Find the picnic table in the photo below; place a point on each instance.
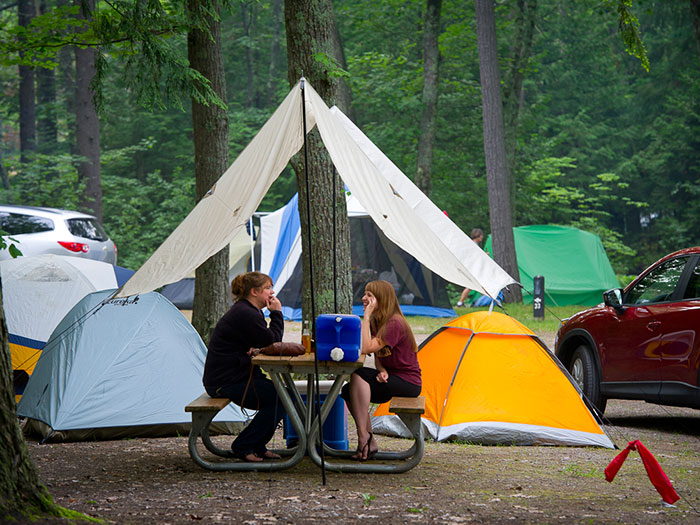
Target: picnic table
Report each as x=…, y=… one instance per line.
x=306, y=421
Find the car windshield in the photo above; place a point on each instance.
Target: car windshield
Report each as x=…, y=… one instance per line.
x=19, y=223
x=87, y=228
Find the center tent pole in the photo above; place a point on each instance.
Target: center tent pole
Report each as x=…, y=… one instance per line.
x=311, y=282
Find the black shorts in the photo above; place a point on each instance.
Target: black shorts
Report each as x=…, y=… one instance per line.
x=382, y=392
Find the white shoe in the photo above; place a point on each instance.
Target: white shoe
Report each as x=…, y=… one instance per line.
x=460, y=303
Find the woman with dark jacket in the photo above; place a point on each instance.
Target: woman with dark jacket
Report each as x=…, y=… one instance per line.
x=227, y=370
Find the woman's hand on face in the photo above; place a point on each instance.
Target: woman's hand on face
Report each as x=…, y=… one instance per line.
x=274, y=304
x=383, y=376
x=371, y=305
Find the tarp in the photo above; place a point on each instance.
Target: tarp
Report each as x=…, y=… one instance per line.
x=119, y=367
x=488, y=379
x=400, y=210
x=181, y=293
x=38, y=291
x=420, y=291
x=573, y=262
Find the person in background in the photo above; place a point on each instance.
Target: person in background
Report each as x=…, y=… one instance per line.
x=227, y=369
x=387, y=335
x=477, y=236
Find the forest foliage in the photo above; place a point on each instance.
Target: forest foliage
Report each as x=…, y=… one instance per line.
x=602, y=144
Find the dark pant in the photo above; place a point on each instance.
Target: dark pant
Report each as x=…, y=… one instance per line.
x=263, y=397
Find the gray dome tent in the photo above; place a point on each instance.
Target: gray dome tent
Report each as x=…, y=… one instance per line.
x=118, y=368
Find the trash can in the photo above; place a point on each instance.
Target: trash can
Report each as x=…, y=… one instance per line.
x=335, y=428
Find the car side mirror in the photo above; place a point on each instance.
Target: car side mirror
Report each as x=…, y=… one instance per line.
x=613, y=298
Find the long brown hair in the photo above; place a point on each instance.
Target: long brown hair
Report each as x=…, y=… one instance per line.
x=387, y=307
x=243, y=283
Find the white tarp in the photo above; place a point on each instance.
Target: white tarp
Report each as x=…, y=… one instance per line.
x=398, y=208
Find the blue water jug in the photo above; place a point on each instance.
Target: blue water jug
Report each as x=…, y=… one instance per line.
x=338, y=331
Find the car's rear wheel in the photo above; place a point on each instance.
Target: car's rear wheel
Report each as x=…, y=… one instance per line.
x=582, y=368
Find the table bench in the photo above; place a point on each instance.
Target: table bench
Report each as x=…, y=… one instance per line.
x=204, y=410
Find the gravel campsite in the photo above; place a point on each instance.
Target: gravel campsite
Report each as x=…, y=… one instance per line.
x=154, y=480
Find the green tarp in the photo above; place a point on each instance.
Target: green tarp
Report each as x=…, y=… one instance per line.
x=573, y=262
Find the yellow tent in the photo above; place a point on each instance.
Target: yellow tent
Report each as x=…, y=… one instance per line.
x=489, y=379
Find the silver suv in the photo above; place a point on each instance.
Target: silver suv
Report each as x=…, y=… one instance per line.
x=36, y=231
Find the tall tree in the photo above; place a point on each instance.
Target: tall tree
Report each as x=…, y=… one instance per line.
x=431, y=60
x=87, y=124
x=22, y=496
x=249, y=13
x=210, y=134
x=494, y=146
x=695, y=17
x=27, y=104
x=275, y=51
x=309, y=26
x=524, y=28
x=47, y=126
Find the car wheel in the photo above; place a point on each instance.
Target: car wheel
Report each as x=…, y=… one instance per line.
x=583, y=370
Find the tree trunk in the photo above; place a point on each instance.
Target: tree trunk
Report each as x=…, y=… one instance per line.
x=275, y=52
x=21, y=494
x=494, y=147
x=210, y=132
x=309, y=26
x=87, y=125
x=27, y=104
x=248, y=20
x=4, y=176
x=343, y=92
x=513, y=84
x=47, y=127
x=695, y=17
x=431, y=59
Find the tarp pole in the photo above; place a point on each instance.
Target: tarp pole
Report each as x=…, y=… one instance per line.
x=311, y=283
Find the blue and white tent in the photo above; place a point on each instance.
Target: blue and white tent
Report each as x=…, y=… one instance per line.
x=373, y=255
x=118, y=368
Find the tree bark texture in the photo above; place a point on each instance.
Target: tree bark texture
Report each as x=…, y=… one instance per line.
x=210, y=132
x=431, y=60
x=87, y=125
x=21, y=493
x=309, y=25
x=27, y=104
x=524, y=15
x=494, y=146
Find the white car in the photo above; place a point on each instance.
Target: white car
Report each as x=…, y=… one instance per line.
x=35, y=231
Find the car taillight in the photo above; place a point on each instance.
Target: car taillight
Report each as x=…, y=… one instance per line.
x=75, y=246
x=115, y=248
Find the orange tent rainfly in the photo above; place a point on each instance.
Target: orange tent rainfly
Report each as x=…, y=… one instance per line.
x=489, y=379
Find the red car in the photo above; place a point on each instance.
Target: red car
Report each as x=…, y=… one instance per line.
x=643, y=342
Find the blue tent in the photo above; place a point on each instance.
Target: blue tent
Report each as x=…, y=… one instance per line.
x=373, y=255
x=124, y=367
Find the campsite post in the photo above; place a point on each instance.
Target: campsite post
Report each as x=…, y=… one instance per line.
x=538, y=299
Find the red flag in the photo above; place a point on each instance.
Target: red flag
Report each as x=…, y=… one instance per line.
x=654, y=471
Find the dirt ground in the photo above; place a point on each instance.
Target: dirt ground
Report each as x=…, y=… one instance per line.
x=155, y=481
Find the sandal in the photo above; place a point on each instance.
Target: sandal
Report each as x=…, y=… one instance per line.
x=371, y=453
x=363, y=452
x=359, y=454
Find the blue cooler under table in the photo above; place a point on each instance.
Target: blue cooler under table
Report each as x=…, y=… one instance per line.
x=335, y=428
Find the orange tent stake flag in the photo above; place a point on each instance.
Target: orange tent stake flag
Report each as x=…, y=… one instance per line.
x=654, y=471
